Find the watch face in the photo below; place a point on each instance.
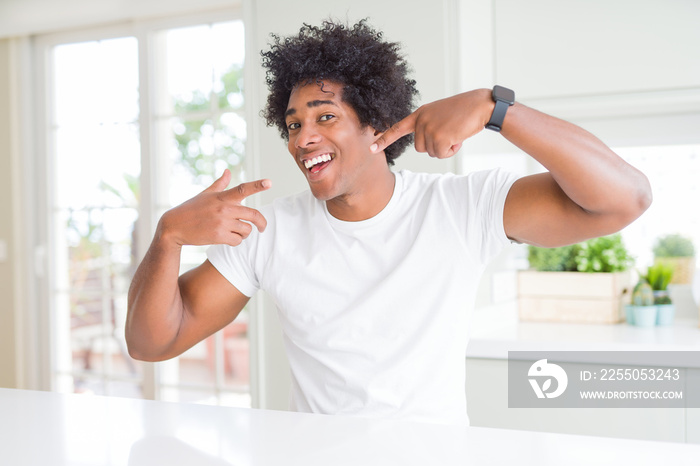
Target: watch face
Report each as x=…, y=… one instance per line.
x=503, y=94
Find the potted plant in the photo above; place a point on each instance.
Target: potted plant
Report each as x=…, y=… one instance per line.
x=678, y=252
x=588, y=282
x=659, y=276
x=642, y=312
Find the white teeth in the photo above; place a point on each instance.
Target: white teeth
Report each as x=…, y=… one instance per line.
x=316, y=160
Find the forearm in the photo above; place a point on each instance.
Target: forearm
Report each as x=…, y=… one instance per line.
x=586, y=170
x=155, y=307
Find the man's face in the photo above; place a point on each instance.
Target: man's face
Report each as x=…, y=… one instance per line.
x=328, y=143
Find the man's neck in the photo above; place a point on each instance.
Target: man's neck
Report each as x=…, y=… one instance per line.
x=366, y=203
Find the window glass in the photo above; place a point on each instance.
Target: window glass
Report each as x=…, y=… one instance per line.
x=96, y=184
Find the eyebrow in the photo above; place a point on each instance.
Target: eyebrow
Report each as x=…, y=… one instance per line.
x=310, y=104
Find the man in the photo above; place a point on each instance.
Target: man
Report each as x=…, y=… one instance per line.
x=373, y=272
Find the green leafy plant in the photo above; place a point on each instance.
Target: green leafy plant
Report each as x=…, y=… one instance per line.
x=553, y=259
x=674, y=246
x=605, y=254
x=659, y=276
x=663, y=299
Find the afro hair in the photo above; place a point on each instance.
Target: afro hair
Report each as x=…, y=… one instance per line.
x=372, y=72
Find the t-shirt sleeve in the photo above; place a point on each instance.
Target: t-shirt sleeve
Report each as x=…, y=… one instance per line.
x=480, y=198
x=238, y=264
x=232, y=264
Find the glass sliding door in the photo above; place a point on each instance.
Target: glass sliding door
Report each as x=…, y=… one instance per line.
x=102, y=137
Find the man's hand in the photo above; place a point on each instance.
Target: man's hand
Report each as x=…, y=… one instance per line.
x=440, y=127
x=214, y=216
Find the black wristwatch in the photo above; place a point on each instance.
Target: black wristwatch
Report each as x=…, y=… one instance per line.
x=504, y=98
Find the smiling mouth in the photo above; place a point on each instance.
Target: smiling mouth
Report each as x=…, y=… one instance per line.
x=318, y=163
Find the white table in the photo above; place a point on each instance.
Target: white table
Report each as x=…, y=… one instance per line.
x=50, y=429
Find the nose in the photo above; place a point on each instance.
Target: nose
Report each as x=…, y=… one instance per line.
x=306, y=136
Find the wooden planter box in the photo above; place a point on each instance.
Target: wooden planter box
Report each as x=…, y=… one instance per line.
x=573, y=297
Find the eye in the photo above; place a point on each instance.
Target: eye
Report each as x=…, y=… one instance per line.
x=293, y=126
x=326, y=117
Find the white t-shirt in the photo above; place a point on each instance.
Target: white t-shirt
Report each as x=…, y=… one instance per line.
x=375, y=314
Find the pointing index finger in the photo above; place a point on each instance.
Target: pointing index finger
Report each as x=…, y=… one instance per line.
x=244, y=190
x=393, y=134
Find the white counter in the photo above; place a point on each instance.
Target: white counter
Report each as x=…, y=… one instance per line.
x=492, y=339
x=49, y=429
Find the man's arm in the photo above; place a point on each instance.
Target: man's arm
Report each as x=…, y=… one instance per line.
x=588, y=191
x=168, y=314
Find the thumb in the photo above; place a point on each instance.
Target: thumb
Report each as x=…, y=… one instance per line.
x=220, y=184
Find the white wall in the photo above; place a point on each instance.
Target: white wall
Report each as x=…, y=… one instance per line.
x=628, y=70
x=554, y=48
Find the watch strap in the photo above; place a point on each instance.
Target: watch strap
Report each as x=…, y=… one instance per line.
x=498, y=115
x=503, y=98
